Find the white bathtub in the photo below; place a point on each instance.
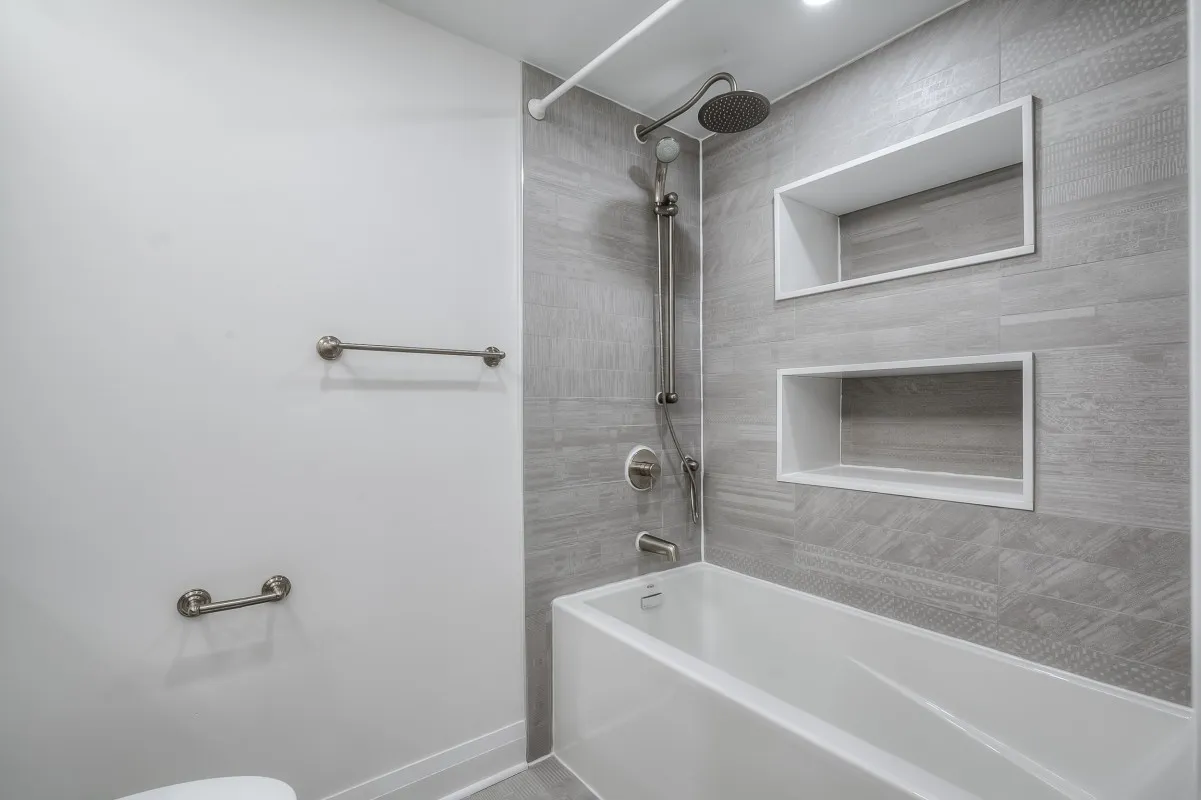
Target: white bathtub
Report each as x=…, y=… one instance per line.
x=737, y=688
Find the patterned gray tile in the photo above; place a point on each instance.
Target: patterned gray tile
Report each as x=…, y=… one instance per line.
x=1136, y=676
x=1128, y=548
x=1155, y=643
x=960, y=219
x=589, y=282
x=1035, y=33
x=958, y=422
x=1146, y=371
x=546, y=780
x=1159, y=321
x=1149, y=595
x=961, y=595
x=925, y=551
x=1150, y=276
x=767, y=497
x=857, y=595
x=1147, y=48
x=962, y=297
x=978, y=524
x=1129, y=481
x=1094, y=580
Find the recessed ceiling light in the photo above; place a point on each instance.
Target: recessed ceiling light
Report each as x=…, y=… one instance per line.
x=816, y=3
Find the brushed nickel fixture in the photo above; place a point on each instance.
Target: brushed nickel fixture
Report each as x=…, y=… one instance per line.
x=330, y=348
x=652, y=599
x=642, y=468
x=729, y=112
x=647, y=542
x=666, y=208
x=195, y=602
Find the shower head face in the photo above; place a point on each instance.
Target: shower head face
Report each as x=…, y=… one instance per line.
x=734, y=111
x=667, y=150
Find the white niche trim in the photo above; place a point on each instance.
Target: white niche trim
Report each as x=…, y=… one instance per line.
x=809, y=434
x=807, y=242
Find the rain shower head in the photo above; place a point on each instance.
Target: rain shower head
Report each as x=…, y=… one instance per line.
x=735, y=111
x=729, y=112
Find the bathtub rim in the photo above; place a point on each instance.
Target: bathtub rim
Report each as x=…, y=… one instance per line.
x=893, y=771
x=579, y=600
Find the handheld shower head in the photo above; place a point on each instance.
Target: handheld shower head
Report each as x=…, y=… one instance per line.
x=667, y=150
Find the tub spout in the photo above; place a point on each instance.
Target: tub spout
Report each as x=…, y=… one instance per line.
x=647, y=543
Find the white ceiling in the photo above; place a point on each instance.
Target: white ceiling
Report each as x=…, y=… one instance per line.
x=771, y=46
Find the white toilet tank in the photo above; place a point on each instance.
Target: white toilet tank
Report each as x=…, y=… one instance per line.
x=244, y=788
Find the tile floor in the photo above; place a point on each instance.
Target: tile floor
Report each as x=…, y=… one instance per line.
x=546, y=780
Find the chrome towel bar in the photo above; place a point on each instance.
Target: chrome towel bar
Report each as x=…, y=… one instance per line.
x=330, y=348
x=197, y=601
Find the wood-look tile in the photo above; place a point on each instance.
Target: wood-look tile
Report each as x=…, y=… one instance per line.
x=961, y=297
x=1147, y=48
x=1141, y=96
x=1101, y=303
x=1136, y=549
x=1159, y=321
x=1133, y=675
x=1147, y=641
x=722, y=531
x=1115, y=480
x=1150, y=276
x=935, y=339
x=968, y=423
x=1110, y=225
x=750, y=495
x=950, y=592
x=589, y=283
x=1035, y=33
x=777, y=326
x=1149, y=595
x=1140, y=371
x=538, y=671
x=857, y=595
x=740, y=241
x=934, y=553
x=963, y=218
x=1109, y=414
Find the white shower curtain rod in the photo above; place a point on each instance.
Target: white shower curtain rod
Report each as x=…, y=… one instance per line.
x=537, y=108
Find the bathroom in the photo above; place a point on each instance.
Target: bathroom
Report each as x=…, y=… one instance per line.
x=464, y=428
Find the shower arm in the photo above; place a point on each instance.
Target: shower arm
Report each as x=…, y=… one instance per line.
x=641, y=132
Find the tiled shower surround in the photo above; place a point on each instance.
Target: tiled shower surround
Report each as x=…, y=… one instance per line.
x=1095, y=580
x=589, y=305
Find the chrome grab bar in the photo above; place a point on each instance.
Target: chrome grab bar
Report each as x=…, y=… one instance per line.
x=330, y=348
x=197, y=601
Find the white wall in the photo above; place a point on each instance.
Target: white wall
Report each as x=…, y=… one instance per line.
x=191, y=192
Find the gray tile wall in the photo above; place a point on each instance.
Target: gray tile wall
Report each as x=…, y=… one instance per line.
x=964, y=218
x=1096, y=579
x=589, y=294
x=965, y=422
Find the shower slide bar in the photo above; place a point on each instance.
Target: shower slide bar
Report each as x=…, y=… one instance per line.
x=195, y=602
x=537, y=108
x=330, y=348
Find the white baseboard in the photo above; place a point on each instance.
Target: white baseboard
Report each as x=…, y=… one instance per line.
x=452, y=774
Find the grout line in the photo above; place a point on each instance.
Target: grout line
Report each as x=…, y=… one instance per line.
x=1102, y=609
